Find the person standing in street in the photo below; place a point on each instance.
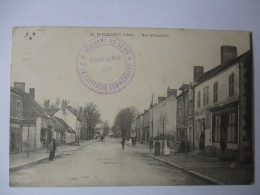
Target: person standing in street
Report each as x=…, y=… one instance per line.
x=123, y=143
x=52, y=148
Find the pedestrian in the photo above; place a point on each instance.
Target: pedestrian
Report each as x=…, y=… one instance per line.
x=123, y=143
x=52, y=148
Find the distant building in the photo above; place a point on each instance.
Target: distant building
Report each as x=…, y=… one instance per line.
x=167, y=106
x=72, y=117
x=147, y=122
x=184, y=121
x=63, y=133
x=139, y=127
x=223, y=99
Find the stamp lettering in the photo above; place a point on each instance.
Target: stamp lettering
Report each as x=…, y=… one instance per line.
x=106, y=65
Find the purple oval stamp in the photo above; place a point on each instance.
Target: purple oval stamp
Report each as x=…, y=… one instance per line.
x=106, y=65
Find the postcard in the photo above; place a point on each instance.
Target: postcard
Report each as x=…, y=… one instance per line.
x=130, y=107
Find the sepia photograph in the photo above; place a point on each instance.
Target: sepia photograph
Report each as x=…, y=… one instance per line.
x=95, y=107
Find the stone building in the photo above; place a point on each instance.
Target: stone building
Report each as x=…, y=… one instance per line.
x=223, y=103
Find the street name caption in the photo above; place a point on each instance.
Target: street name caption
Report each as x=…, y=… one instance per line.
x=116, y=34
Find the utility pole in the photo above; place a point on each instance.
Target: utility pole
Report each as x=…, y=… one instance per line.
x=28, y=139
x=152, y=115
x=28, y=120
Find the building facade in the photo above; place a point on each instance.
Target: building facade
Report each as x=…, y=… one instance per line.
x=164, y=115
x=184, y=121
x=16, y=119
x=223, y=105
x=146, y=125
x=37, y=128
x=72, y=118
x=139, y=127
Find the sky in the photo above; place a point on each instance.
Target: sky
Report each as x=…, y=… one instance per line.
x=47, y=62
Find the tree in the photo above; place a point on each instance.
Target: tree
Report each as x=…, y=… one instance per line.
x=124, y=119
x=115, y=131
x=163, y=121
x=92, y=115
x=105, y=128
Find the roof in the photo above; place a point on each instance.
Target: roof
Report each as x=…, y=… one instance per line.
x=78, y=114
x=219, y=68
x=61, y=125
x=17, y=91
x=52, y=111
x=31, y=107
x=184, y=86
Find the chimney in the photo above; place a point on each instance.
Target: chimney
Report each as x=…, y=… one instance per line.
x=160, y=99
x=64, y=105
x=171, y=92
x=47, y=105
x=32, y=92
x=80, y=110
x=20, y=86
x=228, y=53
x=197, y=71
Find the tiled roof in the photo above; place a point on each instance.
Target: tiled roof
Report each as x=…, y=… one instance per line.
x=31, y=107
x=218, y=69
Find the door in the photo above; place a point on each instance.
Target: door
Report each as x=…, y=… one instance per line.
x=202, y=134
x=223, y=132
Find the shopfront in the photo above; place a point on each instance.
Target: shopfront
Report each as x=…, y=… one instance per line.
x=225, y=127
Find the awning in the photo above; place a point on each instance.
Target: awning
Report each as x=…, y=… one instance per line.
x=222, y=106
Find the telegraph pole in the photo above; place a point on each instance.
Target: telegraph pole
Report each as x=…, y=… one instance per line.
x=28, y=139
x=152, y=115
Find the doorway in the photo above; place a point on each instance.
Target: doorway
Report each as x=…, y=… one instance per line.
x=223, y=132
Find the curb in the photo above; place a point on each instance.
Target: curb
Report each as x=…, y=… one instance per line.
x=129, y=145
x=193, y=173
x=29, y=164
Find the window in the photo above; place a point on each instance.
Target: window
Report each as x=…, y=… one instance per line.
x=215, y=92
x=205, y=95
x=231, y=85
x=198, y=99
x=216, y=129
x=231, y=130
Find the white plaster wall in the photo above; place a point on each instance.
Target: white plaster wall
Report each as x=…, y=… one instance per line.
x=223, y=86
x=168, y=106
x=39, y=122
x=68, y=117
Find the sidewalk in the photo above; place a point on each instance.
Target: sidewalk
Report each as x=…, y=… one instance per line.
x=207, y=168
x=18, y=161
